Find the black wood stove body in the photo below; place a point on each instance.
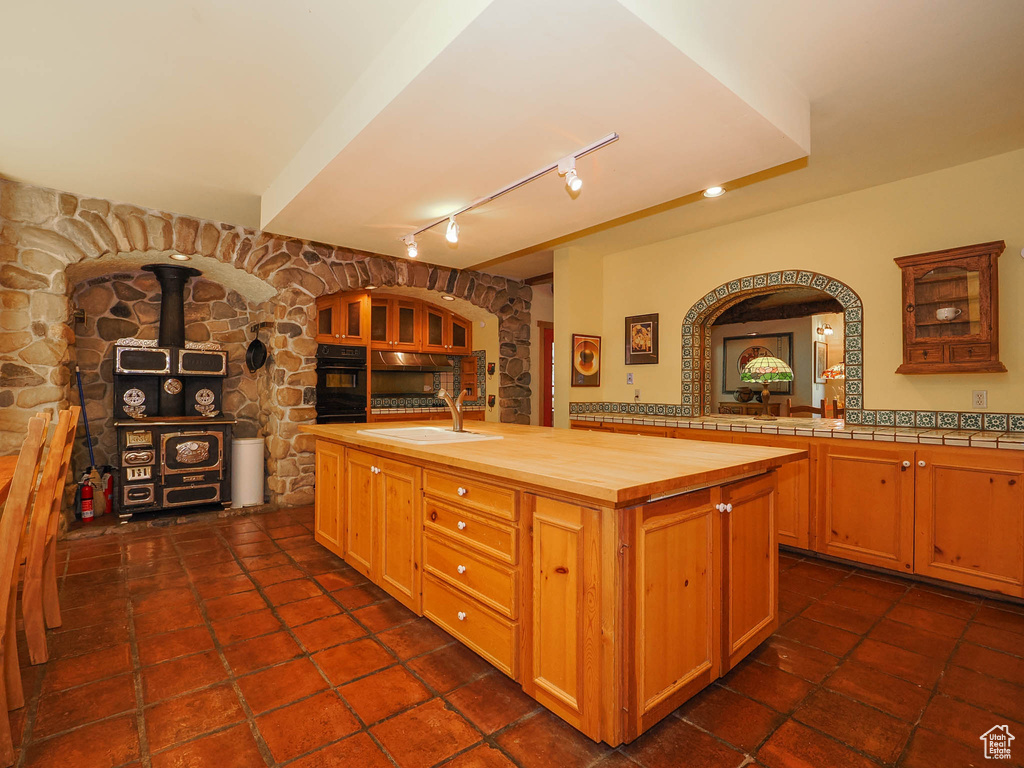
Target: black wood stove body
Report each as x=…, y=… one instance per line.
x=173, y=441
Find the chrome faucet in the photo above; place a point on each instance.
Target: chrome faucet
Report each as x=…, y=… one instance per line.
x=455, y=406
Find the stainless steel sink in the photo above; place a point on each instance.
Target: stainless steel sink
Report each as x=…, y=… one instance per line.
x=428, y=435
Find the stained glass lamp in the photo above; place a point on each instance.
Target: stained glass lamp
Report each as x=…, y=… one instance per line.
x=837, y=371
x=764, y=370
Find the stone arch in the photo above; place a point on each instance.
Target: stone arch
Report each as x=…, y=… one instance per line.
x=696, y=334
x=43, y=232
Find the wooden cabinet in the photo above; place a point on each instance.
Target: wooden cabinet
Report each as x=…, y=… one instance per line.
x=445, y=333
x=460, y=338
x=866, y=503
x=382, y=523
x=395, y=324
x=330, y=471
x=796, y=491
x=970, y=517
x=951, y=310
x=340, y=319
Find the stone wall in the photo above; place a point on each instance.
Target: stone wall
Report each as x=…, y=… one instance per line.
x=44, y=232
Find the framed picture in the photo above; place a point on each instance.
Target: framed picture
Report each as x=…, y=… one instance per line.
x=642, y=340
x=737, y=351
x=820, y=361
x=586, y=361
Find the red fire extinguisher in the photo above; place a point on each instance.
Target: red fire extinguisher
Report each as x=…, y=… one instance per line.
x=86, y=499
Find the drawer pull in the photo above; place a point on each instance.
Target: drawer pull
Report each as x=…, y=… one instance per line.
x=433, y=517
x=461, y=569
x=922, y=463
x=462, y=491
x=462, y=525
x=462, y=615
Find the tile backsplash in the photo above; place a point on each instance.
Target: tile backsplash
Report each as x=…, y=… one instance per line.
x=452, y=381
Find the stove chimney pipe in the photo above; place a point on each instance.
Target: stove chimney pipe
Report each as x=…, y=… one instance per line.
x=172, y=280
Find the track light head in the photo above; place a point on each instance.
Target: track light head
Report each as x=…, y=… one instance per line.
x=452, y=234
x=410, y=246
x=567, y=168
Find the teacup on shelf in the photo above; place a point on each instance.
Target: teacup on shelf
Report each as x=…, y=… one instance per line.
x=947, y=313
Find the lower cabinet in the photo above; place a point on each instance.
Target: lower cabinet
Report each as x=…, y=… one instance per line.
x=330, y=473
x=796, y=502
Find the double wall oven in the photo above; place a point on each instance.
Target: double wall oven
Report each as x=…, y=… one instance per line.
x=341, y=384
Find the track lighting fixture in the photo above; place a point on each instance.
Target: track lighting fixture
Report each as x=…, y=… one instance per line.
x=567, y=168
x=452, y=233
x=410, y=246
x=714, y=191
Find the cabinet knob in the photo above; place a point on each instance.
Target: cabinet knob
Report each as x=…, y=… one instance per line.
x=375, y=470
x=462, y=525
x=922, y=463
x=720, y=507
x=906, y=464
x=462, y=615
x=461, y=569
x=462, y=491
x=728, y=507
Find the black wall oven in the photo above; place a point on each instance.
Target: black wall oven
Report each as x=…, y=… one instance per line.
x=341, y=384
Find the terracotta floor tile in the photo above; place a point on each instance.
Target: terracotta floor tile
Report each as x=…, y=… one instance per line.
x=67, y=673
x=237, y=536
x=215, y=571
x=993, y=637
x=305, y=611
x=160, y=581
x=290, y=591
x=384, y=693
x=233, y=748
x=94, y=548
x=672, y=738
x=383, y=616
x=323, y=633
x=224, y=586
x=184, y=717
x=255, y=548
x=769, y=685
x=357, y=751
x=162, y=599
x=918, y=669
x=141, y=570
x=993, y=616
x=492, y=702
x=259, y=652
x=932, y=601
x=264, y=562
x=731, y=717
x=66, y=709
x=174, y=644
x=305, y=725
x=961, y=721
x=415, y=638
x=928, y=749
x=800, y=660
x=801, y=585
x=796, y=746
x=80, y=641
x=204, y=545
x=340, y=579
x=85, y=596
x=831, y=573
x=174, y=617
x=858, y=599
x=229, y=606
x=101, y=745
x=343, y=663
x=275, y=686
x=988, y=662
x=486, y=756
x=994, y=695
x=449, y=667
x=246, y=626
x=899, y=697
x=913, y=639
x=792, y=603
x=840, y=616
x=826, y=638
x=923, y=618
x=268, y=576
x=285, y=531
x=106, y=563
x=294, y=543
x=161, y=681
x=861, y=727
x=874, y=584
x=425, y=735
x=93, y=615
x=357, y=597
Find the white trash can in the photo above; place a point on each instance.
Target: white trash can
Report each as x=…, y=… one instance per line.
x=246, y=471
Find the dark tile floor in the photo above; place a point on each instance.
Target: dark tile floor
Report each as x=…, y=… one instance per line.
x=241, y=642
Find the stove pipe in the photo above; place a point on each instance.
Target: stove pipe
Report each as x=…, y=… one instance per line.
x=172, y=280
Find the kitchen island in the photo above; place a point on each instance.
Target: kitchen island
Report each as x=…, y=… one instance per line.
x=612, y=576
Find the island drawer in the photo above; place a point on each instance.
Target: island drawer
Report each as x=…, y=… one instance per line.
x=492, y=584
x=484, y=631
x=484, y=535
x=473, y=494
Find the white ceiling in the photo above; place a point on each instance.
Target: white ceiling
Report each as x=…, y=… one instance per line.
x=357, y=122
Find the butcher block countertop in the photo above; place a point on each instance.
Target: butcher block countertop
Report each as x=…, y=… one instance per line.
x=603, y=469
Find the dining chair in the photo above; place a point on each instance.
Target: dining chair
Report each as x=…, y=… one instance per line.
x=838, y=411
x=12, y=527
x=800, y=410
x=40, y=607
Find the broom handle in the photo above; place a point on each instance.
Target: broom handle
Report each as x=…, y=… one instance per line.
x=81, y=399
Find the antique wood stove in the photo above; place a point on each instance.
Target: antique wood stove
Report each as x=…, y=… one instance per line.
x=173, y=442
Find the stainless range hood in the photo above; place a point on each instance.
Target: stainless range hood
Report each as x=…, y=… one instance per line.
x=384, y=360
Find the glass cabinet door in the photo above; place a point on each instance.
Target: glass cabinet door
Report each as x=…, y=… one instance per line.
x=352, y=312
x=380, y=323
x=325, y=321
x=947, y=304
x=460, y=336
x=405, y=333
x=434, y=330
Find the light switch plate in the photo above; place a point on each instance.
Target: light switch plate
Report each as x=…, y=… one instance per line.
x=979, y=399
x=629, y=378
x=636, y=395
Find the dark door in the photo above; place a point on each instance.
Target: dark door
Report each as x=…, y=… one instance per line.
x=547, y=396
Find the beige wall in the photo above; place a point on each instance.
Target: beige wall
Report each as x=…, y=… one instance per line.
x=542, y=309
x=853, y=238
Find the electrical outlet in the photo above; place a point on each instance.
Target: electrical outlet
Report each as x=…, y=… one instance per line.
x=979, y=399
x=636, y=395
x=629, y=378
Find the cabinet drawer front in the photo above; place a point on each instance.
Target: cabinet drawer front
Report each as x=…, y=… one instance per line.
x=958, y=353
x=930, y=354
x=473, y=494
x=487, y=536
x=482, y=630
x=490, y=583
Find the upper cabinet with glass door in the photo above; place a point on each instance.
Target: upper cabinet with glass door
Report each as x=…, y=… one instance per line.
x=339, y=319
x=951, y=310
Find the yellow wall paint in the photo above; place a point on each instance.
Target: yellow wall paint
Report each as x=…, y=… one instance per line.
x=853, y=238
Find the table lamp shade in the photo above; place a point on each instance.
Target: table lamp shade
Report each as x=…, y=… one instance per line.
x=765, y=369
x=837, y=371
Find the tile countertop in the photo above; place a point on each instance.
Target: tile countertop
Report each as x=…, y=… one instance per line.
x=425, y=409
x=834, y=428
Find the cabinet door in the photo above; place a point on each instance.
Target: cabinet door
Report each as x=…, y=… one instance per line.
x=330, y=477
x=970, y=518
x=866, y=504
x=380, y=323
x=398, y=509
x=353, y=327
x=328, y=320
x=360, y=492
x=405, y=331
x=750, y=573
x=461, y=335
x=435, y=337
x=796, y=491
x=673, y=597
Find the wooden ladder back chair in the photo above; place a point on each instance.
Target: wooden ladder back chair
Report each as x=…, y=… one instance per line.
x=12, y=527
x=39, y=602
x=797, y=410
x=838, y=411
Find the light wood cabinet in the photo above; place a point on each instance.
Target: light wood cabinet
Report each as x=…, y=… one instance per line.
x=329, y=522
x=866, y=504
x=340, y=319
x=797, y=494
x=359, y=527
x=395, y=323
x=445, y=333
x=388, y=322
x=970, y=517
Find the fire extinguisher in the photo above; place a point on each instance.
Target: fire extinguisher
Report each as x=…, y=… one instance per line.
x=85, y=498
